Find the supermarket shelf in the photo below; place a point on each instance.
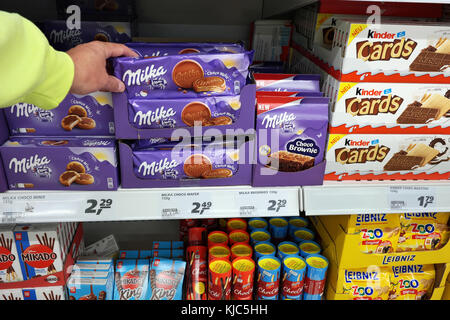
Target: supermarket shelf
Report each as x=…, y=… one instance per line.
x=274, y=7
x=353, y=197
x=148, y=204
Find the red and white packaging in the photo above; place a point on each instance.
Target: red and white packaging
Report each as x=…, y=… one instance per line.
x=38, y=246
x=388, y=157
x=11, y=294
x=10, y=270
x=44, y=293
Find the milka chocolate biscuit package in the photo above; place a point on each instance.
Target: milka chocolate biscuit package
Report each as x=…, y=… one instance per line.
x=369, y=107
x=387, y=157
x=10, y=270
x=287, y=82
x=180, y=113
x=4, y=135
x=131, y=279
x=402, y=50
x=160, y=49
x=291, y=140
x=166, y=279
x=184, y=76
x=62, y=38
x=90, y=115
x=60, y=163
x=38, y=247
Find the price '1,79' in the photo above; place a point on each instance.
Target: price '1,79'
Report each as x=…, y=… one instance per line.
x=96, y=207
x=425, y=201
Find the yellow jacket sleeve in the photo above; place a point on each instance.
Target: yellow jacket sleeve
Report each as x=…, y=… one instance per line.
x=31, y=70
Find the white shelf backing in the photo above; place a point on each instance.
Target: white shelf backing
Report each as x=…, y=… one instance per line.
x=348, y=197
x=274, y=7
x=149, y=204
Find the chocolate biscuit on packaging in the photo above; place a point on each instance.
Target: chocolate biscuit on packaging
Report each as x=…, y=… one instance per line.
x=78, y=110
x=68, y=177
x=417, y=115
x=289, y=162
x=216, y=84
x=69, y=122
x=186, y=72
x=196, y=165
x=86, y=123
x=217, y=173
x=437, y=101
x=195, y=113
x=400, y=162
x=85, y=179
x=76, y=166
x=424, y=151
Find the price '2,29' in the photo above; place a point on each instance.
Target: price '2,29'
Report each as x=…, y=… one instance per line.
x=95, y=207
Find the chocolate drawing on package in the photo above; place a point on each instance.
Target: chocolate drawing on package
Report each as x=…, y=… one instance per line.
x=289, y=162
x=433, y=58
x=414, y=157
x=7, y=244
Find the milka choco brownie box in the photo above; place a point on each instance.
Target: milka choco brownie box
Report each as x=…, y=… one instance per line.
x=62, y=38
x=89, y=115
x=387, y=157
x=291, y=135
x=402, y=50
x=60, y=163
x=4, y=134
x=369, y=107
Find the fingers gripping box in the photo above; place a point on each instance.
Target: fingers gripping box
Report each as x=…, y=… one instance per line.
x=89, y=115
x=60, y=163
x=387, y=157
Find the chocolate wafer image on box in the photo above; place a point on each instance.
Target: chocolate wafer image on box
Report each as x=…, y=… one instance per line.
x=431, y=107
x=416, y=156
x=422, y=150
x=433, y=58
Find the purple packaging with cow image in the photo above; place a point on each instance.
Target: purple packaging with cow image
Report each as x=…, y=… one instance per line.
x=161, y=49
x=89, y=115
x=3, y=137
x=175, y=164
x=292, y=135
x=184, y=76
x=60, y=163
x=62, y=38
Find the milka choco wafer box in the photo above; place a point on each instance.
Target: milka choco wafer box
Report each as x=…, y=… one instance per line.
x=402, y=50
x=10, y=270
x=60, y=163
x=184, y=76
x=369, y=107
x=387, y=157
x=160, y=49
x=62, y=38
x=38, y=246
x=89, y=115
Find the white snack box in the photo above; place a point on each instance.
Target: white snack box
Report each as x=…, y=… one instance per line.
x=10, y=270
x=44, y=293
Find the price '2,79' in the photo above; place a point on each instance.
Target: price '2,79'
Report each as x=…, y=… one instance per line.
x=95, y=207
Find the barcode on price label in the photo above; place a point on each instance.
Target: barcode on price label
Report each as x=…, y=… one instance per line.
x=170, y=212
x=247, y=210
x=412, y=198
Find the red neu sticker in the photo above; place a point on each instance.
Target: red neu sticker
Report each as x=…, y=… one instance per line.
x=39, y=256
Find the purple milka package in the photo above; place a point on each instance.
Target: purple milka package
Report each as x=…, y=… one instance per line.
x=160, y=49
x=3, y=137
x=187, y=163
x=89, y=115
x=60, y=163
x=179, y=113
x=62, y=38
x=184, y=76
x=219, y=115
x=287, y=82
x=292, y=135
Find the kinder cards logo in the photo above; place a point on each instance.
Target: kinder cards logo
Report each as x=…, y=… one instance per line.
x=361, y=151
x=371, y=92
x=372, y=34
x=398, y=48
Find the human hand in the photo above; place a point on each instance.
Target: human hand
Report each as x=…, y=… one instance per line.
x=90, y=67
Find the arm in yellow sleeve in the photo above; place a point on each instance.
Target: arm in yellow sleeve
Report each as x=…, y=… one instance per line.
x=31, y=70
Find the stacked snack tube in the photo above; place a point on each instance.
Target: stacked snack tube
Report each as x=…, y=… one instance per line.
x=257, y=259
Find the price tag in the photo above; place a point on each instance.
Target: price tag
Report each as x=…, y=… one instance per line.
x=266, y=202
x=98, y=206
x=186, y=204
x=412, y=198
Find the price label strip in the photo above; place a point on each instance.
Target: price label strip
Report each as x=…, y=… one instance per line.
x=412, y=198
x=194, y=204
x=267, y=203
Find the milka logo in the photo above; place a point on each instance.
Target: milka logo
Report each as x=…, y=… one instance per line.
x=132, y=78
x=156, y=166
x=93, y=143
x=63, y=35
x=25, y=164
x=277, y=119
x=23, y=109
x=153, y=116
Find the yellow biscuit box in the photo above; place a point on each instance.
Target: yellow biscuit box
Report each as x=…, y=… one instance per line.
x=423, y=231
x=372, y=283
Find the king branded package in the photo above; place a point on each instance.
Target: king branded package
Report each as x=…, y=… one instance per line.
x=60, y=163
